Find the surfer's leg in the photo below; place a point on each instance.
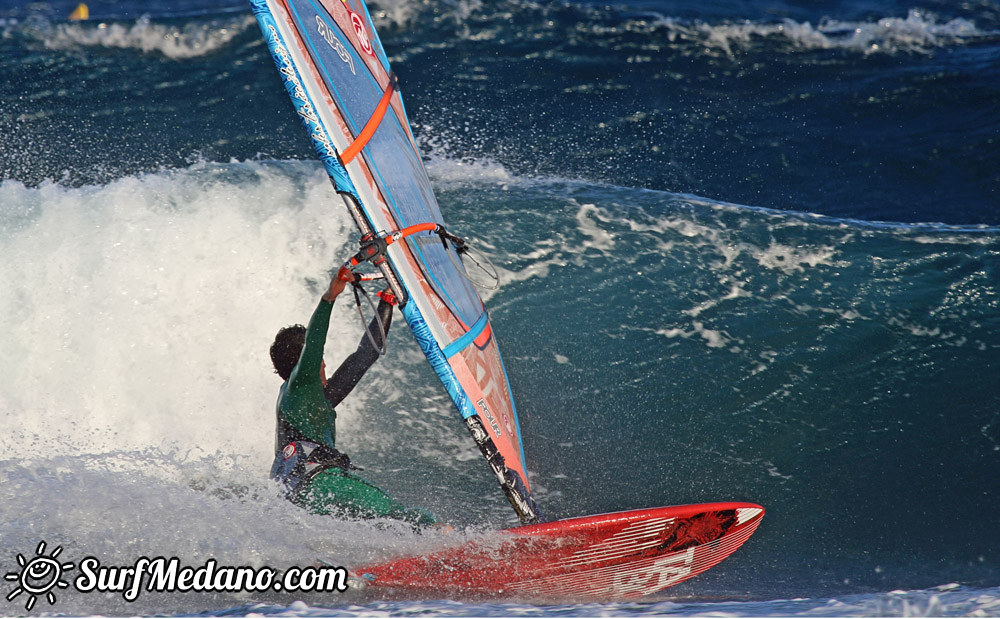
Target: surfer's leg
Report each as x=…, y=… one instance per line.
x=354, y=367
x=336, y=491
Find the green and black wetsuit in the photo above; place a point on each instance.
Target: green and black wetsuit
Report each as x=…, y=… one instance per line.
x=317, y=476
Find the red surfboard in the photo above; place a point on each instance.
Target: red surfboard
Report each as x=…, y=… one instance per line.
x=610, y=556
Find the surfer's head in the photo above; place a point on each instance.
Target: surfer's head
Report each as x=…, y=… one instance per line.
x=286, y=349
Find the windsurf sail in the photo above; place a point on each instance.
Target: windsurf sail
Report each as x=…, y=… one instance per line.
x=336, y=72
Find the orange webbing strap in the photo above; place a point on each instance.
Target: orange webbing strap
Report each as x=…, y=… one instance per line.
x=366, y=134
x=373, y=248
x=407, y=231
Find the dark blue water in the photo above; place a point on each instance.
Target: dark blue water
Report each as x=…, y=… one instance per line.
x=747, y=252
x=854, y=109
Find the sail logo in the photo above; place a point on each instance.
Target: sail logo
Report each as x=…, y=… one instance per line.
x=359, y=28
x=489, y=416
x=506, y=420
x=324, y=31
x=300, y=99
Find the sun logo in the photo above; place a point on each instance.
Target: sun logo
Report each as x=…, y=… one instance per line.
x=38, y=576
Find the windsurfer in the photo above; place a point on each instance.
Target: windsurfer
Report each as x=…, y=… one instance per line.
x=317, y=476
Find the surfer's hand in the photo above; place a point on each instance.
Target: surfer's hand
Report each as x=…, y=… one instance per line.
x=338, y=283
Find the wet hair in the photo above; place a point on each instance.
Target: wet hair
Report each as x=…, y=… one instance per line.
x=286, y=349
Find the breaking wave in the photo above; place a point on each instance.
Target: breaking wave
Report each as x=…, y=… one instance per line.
x=918, y=32
x=175, y=40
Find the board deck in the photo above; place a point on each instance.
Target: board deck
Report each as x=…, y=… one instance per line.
x=610, y=556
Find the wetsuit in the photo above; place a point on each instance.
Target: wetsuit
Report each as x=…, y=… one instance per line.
x=316, y=475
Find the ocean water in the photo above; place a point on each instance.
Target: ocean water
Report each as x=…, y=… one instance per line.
x=748, y=251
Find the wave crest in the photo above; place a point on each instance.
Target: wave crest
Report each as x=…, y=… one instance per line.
x=178, y=41
x=918, y=32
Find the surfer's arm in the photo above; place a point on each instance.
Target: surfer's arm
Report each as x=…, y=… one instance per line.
x=302, y=402
x=354, y=367
x=311, y=359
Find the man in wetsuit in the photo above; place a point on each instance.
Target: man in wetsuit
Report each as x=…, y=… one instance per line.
x=316, y=475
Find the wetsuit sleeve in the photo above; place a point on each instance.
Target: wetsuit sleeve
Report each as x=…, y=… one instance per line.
x=354, y=367
x=302, y=402
x=311, y=359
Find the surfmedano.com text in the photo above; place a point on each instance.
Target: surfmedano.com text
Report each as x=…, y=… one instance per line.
x=168, y=575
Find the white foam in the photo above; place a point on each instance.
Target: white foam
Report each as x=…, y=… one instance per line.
x=917, y=32
x=712, y=337
x=403, y=13
x=178, y=42
x=447, y=170
x=397, y=13
x=736, y=290
x=139, y=314
x=599, y=239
